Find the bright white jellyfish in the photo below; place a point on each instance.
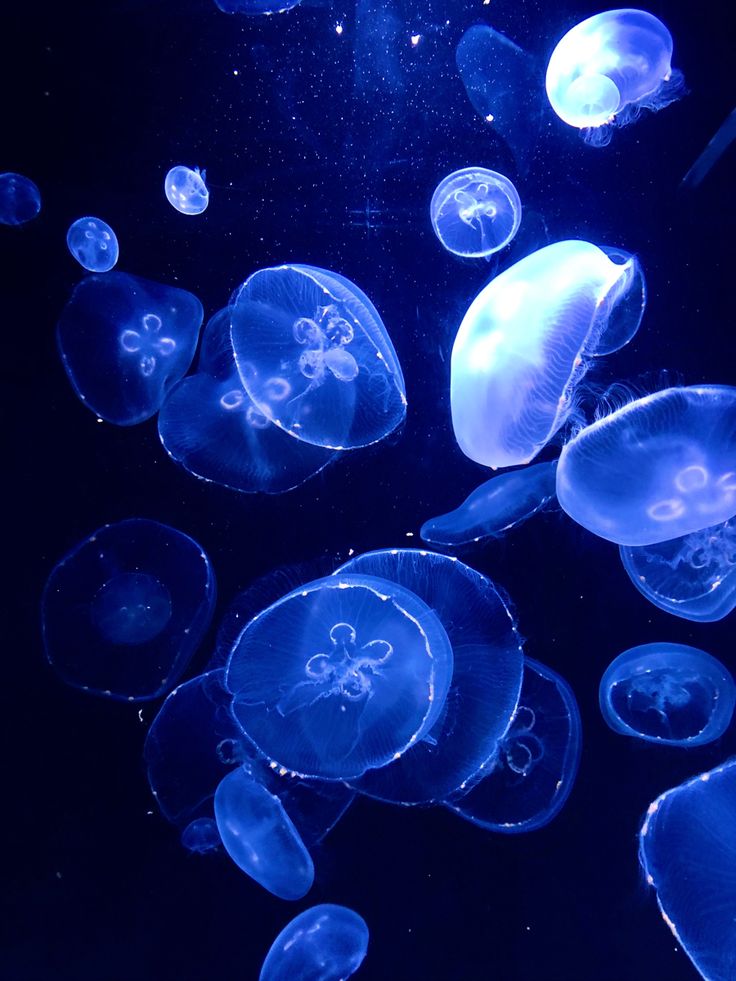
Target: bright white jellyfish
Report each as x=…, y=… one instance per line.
x=475, y=212
x=186, y=190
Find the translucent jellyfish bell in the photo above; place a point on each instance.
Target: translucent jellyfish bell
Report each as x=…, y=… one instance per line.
x=20, y=199
x=662, y=467
x=324, y=943
x=523, y=344
x=475, y=212
x=186, y=190
x=93, y=244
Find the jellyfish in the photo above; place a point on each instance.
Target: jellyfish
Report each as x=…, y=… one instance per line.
x=186, y=190
x=209, y=425
x=662, y=467
x=125, y=610
x=93, y=244
x=717, y=146
x=125, y=342
x=524, y=343
x=475, y=212
x=324, y=943
x=668, y=693
x=339, y=676
x=526, y=782
x=495, y=507
x=201, y=836
x=486, y=677
x=687, y=850
x=609, y=67
x=20, y=199
x=254, y=7
x=315, y=357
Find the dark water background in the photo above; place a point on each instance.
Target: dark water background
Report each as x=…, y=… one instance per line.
x=99, y=100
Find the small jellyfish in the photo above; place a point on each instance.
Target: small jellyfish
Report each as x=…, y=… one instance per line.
x=201, y=836
x=324, y=943
x=525, y=341
x=687, y=850
x=475, y=212
x=186, y=190
x=609, y=67
x=125, y=610
x=125, y=342
x=662, y=467
x=20, y=199
x=254, y=7
x=93, y=244
x=667, y=693
x=315, y=357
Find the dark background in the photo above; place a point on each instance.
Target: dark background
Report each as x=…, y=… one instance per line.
x=99, y=100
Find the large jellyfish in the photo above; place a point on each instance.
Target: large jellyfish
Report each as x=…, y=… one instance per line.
x=324, y=943
x=315, y=357
x=125, y=610
x=524, y=342
x=186, y=190
x=475, y=212
x=125, y=342
x=662, y=467
x=20, y=199
x=93, y=244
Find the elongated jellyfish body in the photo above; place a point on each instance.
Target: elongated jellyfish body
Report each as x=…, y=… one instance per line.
x=324, y=943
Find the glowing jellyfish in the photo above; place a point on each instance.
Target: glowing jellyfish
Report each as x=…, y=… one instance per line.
x=186, y=190
x=524, y=343
x=687, y=850
x=315, y=357
x=668, y=693
x=475, y=212
x=524, y=785
x=486, y=679
x=93, y=244
x=495, y=507
x=324, y=943
x=341, y=675
x=201, y=836
x=609, y=67
x=254, y=7
x=20, y=199
x=125, y=610
x=125, y=342
x=209, y=425
x=662, y=467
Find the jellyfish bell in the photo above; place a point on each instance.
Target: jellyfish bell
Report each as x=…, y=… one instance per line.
x=186, y=190
x=93, y=244
x=325, y=942
x=475, y=212
x=20, y=199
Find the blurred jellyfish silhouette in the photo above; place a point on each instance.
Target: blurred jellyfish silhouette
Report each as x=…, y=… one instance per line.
x=609, y=67
x=687, y=851
x=673, y=451
x=186, y=190
x=668, y=693
x=125, y=342
x=255, y=7
x=315, y=357
x=20, y=199
x=717, y=146
x=525, y=342
x=524, y=785
x=324, y=943
x=210, y=426
x=125, y=610
x=475, y=212
x=93, y=244
x=201, y=836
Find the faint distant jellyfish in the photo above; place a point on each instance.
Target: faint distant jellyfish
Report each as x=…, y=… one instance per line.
x=609, y=67
x=693, y=577
x=315, y=357
x=125, y=610
x=93, y=244
x=687, y=850
x=339, y=676
x=668, y=693
x=125, y=342
x=674, y=452
x=475, y=212
x=20, y=199
x=525, y=341
x=324, y=943
x=201, y=836
x=186, y=190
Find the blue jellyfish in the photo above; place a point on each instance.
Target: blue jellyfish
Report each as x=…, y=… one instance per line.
x=475, y=212
x=341, y=675
x=674, y=455
x=209, y=425
x=315, y=357
x=201, y=836
x=125, y=342
x=20, y=199
x=687, y=850
x=524, y=342
x=693, y=577
x=186, y=190
x=93, y=244
x=486, y=679
x=254, y=7
x=495, y=507
x=667, y=693
x=125, y=610
x=609, y=67
x=324, y=943
x=524, y=785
